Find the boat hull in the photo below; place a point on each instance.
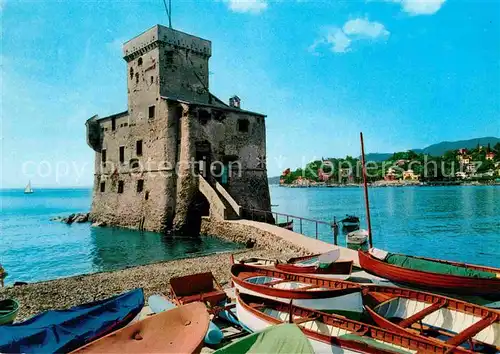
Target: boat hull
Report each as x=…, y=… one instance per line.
x=426, y=280
x=179, y=330
x=257, y=324
x=10, y=308
x=310, y=292
x=386, y=304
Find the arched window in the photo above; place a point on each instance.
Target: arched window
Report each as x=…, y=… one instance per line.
x=131, y=73
x=139, y=61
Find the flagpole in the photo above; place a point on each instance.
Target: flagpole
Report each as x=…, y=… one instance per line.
x=367, y=203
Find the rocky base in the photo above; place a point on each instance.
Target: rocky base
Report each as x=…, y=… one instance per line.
x=154, y=279
x=78, y=218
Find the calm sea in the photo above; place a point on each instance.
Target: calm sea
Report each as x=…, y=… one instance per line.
x=33, y=248
x=460, y=223
x=454, y=223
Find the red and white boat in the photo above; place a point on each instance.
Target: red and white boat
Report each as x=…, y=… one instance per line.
x=322, y=264
x=453, y=322
x=331, y=333
x=306, y=291
x=432, y=274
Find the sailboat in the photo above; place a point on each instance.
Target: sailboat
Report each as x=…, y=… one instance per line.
x=28, y=189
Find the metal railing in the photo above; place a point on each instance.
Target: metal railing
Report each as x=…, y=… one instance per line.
x=273, y=217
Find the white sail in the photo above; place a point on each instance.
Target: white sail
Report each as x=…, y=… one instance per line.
x=28, y=188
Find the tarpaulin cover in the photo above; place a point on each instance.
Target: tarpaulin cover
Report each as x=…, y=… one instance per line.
x=436, y=267
x=65, y=330
x=281, y=339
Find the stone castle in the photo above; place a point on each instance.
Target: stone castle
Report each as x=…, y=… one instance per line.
x=178, y=152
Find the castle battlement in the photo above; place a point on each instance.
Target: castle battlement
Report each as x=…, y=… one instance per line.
x=166, y=36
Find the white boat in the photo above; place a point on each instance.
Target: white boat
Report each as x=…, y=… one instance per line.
x=318, y=293
x=358, y=237
x=329, y=333
x=28, y=189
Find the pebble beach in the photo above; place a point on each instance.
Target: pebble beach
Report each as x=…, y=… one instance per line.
x=154, y=278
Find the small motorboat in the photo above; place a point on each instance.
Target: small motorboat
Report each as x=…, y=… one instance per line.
x=308, y=291
x=329, y=333
x=179, y=330
x=324, y=264
x=8, y=311
x=432, y=274
x=453, y=322
x=280, y=339
x=286, y=225
x=358, y=237
x=59, y=331
x=350, y=223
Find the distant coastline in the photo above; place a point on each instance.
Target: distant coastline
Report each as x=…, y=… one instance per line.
x=389, y=184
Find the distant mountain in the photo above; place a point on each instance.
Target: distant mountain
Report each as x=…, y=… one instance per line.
x=440, y=148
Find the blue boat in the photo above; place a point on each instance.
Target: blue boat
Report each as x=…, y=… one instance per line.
x=66, y=330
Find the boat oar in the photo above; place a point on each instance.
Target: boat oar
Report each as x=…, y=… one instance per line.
x=159, y=303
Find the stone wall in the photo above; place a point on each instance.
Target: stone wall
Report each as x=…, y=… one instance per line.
x=246, y=234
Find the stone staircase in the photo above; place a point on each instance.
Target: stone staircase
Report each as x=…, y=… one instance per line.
x=222, y=205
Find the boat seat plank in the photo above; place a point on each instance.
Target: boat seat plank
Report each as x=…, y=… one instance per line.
x=471, y=331
x=309, y=287
x=407, y=322
x=276, y=282
x=306, y=319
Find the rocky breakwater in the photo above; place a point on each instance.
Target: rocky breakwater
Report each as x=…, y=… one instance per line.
x=76, y=217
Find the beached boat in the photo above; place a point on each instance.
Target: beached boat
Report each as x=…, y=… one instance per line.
x=179, y=330
x=59, y=331
x=308, y=291
x=8, y=311
x=280, y=339
x=358, y=237
x=331, y=333
x=323, y=264
x=286, y=225
x=28, y=189
x=350, y=223
x=451, y=321
x=433, y=274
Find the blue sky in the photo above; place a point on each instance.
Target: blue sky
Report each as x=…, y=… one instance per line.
x=407, y=73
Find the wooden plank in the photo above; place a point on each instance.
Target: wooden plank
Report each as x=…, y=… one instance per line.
x=471, y=331
x=306, y=319
x=407, y=322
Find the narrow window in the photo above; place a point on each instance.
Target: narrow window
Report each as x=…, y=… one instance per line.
x=113, y=124
x=103, y=187
x=122, y=154
x=152, y=79
x=139, y=62
x=120, y=187
x=151, y=111
x=131, y=73
x=146, y=196
x=103, y=155
x=243, y=125
x=170, y=57
x=136, y=78
x=140, y=185
x=138, y=147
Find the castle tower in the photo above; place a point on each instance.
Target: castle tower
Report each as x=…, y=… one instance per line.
x=163, y=62
x=144, y=175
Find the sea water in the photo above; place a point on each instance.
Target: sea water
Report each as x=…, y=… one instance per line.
x=33, y=248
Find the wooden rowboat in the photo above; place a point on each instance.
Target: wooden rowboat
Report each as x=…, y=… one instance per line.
x=180, y=330
x=438, y=275
x=453, y=322
x=325, y=264
x=331, y=333
x=8, y=311
x=306, y=291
